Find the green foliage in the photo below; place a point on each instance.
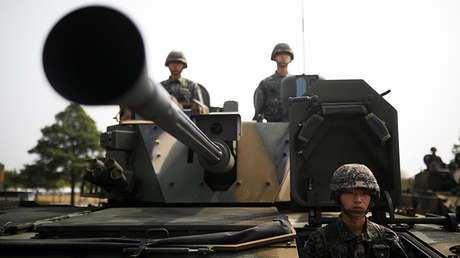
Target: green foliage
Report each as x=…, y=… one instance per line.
x=13, y=179
x=456, y=148
x=63, y=150
x=407, y=183
x=39, y=176
x=454, y=163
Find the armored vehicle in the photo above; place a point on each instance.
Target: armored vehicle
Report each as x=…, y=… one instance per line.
x=436, y=189
x=210, y=184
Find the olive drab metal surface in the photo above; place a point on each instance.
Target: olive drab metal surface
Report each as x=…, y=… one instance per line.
x=339, y=122
x=168, y=171
x=295, y=86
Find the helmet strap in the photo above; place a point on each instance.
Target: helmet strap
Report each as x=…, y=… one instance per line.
x=282, y=64
x=350, y=213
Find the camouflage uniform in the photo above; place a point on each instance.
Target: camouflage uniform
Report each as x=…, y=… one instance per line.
x=336, y=240
x=267, y=99
x=184, y=90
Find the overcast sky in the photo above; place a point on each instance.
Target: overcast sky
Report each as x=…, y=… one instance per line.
x=408, y=46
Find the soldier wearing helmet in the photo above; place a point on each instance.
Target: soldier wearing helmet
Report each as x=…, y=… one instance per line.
x=355, y=189
x=267, y=99
x=184, y=90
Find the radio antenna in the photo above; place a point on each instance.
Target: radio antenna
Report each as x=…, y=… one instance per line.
x=303, y=35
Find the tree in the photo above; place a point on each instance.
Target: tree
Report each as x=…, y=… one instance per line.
x=64, y=148
x=13, y=180
x=38, y=175
x=456, y=148
x=407, y=182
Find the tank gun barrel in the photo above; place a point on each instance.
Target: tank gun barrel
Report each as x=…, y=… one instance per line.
x=96, y=56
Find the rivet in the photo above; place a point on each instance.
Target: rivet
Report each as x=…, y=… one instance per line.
x=299, y=124
x=268, y=183
x=158, y=155
x=238, y=182
x=157, y=141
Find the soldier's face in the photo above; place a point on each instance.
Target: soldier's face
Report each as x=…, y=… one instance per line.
x=175, y=67
x=283, y=59
x=355, y=199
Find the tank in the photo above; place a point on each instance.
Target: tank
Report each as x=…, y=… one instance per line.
x=436, y=189
x=209, y=184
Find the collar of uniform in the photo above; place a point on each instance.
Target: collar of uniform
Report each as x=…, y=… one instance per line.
x=277, y=74
x=180, y=80
x=347, y=235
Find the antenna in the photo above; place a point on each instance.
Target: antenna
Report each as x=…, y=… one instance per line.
x=303, y=36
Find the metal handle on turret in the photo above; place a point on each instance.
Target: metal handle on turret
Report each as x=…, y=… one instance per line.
x=96, y=56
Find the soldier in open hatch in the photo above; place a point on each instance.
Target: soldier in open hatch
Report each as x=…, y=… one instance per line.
x=355, y=188
x=433, y=161
x=184, y=90
x=267, y=98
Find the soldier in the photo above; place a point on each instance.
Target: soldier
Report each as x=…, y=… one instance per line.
x=432, y=161
x=184, y=90
x=355, y=189
x=267, y=98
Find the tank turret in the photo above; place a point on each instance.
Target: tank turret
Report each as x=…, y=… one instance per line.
x=173, y=159
x=435, y=189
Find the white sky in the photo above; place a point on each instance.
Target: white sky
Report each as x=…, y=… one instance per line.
x=408, y=46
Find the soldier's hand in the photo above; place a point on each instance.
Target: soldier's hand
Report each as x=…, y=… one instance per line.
x=199, y=108
x=177, y=102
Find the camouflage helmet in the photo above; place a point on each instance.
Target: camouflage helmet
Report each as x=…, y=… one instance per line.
x=355, y=176
x=176, y=56
x=282, y=48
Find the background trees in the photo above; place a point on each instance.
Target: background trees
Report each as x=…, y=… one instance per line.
x=63, y=150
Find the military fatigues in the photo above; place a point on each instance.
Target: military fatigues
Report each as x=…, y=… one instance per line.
x=336, y=240
x=184, y=90
x=267, y=99
x=432, y=161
